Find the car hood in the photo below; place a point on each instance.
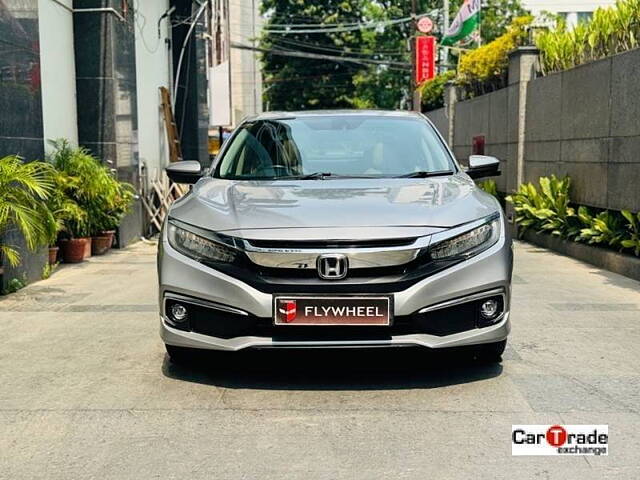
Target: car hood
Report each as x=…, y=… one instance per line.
x=333, y=208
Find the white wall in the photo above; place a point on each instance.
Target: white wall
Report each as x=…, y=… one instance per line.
x=245, y=24
x=57, y=70
x=565, y=6
x=152, y=72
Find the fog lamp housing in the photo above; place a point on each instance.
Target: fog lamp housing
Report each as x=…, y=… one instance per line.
x=178, y=312
x=489, y=309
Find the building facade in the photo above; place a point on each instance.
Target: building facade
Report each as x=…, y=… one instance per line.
x=246, y=77
x=235, y=74
x=573, y=11
x=89, y=71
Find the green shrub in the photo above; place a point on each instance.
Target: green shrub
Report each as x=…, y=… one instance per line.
x=488, y=64
x=548, y=210
x=93, y=188
x=633, y=227
x=24, y=188
x=432, y=92
x=15, y=284
x=605, y=228
x=490, y=187
x=611, y=30
x=66, y=215
x=48, y=270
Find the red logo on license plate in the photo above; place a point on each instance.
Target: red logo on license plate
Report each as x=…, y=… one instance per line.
x=287, y=310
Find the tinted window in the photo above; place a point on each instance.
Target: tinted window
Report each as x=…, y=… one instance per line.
x=348, y=145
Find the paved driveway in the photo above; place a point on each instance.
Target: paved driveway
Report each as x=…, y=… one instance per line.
x=87, y=392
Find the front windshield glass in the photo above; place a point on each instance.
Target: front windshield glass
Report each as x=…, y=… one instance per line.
x=337, y=145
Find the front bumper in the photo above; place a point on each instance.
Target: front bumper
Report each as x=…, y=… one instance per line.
x=488, y=271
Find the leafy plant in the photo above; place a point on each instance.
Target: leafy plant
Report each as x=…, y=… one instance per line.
x=24, y=187
x=563, y=220
x=48, y=270
x=65, y=213
x=15, y=284
x=547, y=210
x=107, y=213
x=610, y=31
x=490, y=187
x=485, y=67
x=604, y=228
x=633, y=242
x=89, y=187
x=432, y=92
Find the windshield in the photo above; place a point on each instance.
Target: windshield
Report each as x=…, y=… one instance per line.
x=334, y=145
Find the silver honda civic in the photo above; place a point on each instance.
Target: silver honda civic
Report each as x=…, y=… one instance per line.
x=336, y=229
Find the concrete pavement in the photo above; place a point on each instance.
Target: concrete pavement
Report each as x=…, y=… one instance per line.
x=86, y=390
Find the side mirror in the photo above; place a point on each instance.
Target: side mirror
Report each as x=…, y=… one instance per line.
x=481, y=166
x=186, y=171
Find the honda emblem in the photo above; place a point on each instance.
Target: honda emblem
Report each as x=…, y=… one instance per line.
x=332, y=267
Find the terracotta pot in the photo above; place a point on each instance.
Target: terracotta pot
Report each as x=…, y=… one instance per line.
x=53, y=255
x=109, y=233
x=100, y=245
x=87, y=248
x=73, y=249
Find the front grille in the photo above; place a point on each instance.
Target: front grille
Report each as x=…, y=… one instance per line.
x=226, y=325
x=325, y=244
x=372, y=280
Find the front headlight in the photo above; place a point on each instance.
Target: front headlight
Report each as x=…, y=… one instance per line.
x=197, y=247
x=468, y=243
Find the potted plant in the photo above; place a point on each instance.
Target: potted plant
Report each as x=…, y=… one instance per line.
x=24, y=188
x=65, y=215
x=91, y=185
x=74, y=248
x=107, y=212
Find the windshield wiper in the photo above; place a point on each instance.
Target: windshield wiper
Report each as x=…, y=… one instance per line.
x=315, y=175
x=424, y=174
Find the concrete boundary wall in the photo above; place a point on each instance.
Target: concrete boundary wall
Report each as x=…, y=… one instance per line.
x=583, y=122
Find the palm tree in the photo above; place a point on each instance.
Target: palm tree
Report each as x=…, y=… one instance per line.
x=24, y=187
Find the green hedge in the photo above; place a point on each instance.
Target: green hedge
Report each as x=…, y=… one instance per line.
x=547, y=208
x=610, y=31
x=432, y=92
x=485, y=67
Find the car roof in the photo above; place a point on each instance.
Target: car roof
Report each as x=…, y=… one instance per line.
x=321, y=113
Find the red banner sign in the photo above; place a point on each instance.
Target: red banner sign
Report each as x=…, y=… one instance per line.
x=425, y=58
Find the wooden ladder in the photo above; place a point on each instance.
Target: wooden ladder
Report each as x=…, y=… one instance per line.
x=175, y=152
x=161, y=192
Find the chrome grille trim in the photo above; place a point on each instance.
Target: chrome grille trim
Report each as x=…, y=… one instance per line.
x=305, y=258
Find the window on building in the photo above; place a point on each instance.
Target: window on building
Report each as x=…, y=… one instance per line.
x=584, y=16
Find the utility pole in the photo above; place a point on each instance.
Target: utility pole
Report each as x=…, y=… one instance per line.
x=445, y=20
x=415, y=94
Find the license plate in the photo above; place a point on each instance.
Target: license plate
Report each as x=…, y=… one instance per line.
x=354, y=311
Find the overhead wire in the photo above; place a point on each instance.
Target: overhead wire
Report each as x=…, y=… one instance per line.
x=341, y=27
x=328, y=48
x=288, y=43
x=335, y=58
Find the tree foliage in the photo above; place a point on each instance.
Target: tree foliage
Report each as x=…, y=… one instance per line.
x=432, y=92
x=304, y=83
x=24, y=187
x=486, y=66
